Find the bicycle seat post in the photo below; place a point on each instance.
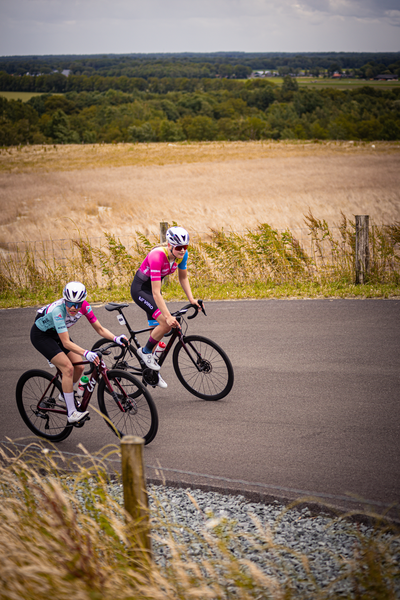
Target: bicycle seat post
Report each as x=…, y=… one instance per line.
x=126, y=322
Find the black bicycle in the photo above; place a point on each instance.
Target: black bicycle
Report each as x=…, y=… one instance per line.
x=125, y=403
x=201, y=366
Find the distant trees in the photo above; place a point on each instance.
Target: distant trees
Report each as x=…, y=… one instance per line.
x=237, y=65
x=171, y=110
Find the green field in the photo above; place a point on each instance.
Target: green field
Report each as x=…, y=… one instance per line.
x=24, y=96
x=339, y=84
x=343, y=84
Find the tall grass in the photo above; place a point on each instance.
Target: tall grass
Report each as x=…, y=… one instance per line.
x=64, y=534
x=261, y=256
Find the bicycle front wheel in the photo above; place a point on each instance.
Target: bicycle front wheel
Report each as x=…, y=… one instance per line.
x=203, y=368
x=130, y=409
x=37, y=398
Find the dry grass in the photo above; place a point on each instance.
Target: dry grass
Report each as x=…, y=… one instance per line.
x=50, y=192
x=64, y=536
x=261, y=262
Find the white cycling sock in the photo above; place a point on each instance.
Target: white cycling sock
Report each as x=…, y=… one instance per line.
x=69, y=401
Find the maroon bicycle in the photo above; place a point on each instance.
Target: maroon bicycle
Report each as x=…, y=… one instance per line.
x=125, y=403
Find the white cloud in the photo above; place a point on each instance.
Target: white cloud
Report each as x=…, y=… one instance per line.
x=359, y=9
x=102, y=26
x=60, y=11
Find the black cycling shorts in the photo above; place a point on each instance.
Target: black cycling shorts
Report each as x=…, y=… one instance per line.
x=47, y=343
x=142, y=295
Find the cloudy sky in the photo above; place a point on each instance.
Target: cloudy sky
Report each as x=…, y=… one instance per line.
x=145, y=26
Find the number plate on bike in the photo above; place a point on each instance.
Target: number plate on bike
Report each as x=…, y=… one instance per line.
x=121, y=320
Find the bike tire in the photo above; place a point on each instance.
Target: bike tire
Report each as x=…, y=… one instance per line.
x=208, y=372
x=31, y=387
x=140, y=418
x=119, y=357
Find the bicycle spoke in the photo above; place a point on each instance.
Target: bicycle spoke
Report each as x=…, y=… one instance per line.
x=204, y=369
x=37, y=402
x=138, y=415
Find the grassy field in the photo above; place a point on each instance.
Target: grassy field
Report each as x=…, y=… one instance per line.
x=50, y=192
x=24, y=96
x=65, y=534
x=261, y=263
x=82, y=192
x=309, y=82
x=340, y=84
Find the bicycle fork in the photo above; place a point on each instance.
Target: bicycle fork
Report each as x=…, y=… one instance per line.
x=200, y=363
x=114, y=394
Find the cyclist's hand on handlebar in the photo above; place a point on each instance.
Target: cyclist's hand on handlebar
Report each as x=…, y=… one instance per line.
x=172, y=322
x=122, y=340
x=199, y=305
x=91, y=357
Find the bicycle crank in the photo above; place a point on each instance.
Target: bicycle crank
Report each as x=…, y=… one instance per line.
x=150, y=377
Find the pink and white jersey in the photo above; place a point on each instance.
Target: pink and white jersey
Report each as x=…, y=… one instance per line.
x=156, y=265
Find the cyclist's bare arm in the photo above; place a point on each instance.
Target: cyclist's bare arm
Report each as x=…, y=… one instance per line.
x=156, y=290
x=184, y=281
x=102, y=331
x=72, y=347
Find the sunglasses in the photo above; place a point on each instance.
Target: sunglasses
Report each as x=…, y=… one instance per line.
x=73, y=304
x=180, y=248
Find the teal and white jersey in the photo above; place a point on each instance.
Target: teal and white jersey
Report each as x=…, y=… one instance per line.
x=54, y=316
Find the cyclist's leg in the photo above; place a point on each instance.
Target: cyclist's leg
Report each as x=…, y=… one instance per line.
x=63, y=363
x=49, y=344
x=78, y=369
x=143, y=297
x=161, y=329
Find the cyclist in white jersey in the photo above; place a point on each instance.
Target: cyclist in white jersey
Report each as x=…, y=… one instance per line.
x=49, y=335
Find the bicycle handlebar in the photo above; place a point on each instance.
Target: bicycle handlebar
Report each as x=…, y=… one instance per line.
x=100, y=355
x=187, y=307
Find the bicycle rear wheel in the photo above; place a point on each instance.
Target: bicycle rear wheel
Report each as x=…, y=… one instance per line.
x=204, y=370
x=119, y=357
x=132, y=410
x=36, y=395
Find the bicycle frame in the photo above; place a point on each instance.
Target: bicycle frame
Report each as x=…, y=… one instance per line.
x=175, y=333
x=100, y=370
x=201, y=366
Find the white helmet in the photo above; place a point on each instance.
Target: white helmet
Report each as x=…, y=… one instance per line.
x=74, y=292
x=177, y=236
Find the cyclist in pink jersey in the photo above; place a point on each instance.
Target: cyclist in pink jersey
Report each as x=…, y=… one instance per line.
x=49, y=335
x=146, y=289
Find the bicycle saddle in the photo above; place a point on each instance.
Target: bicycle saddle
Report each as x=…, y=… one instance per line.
x=114, y=306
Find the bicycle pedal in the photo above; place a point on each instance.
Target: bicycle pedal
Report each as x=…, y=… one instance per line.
x=81, y=422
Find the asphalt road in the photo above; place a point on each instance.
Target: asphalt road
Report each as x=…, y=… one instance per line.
x=315, y=405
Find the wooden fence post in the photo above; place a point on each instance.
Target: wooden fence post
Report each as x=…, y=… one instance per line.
x=136, y=500
x=163, y=231
x=362, y=248
x=163, y=239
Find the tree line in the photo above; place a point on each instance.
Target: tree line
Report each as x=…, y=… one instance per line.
x=199, y=65
x=202, y=109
